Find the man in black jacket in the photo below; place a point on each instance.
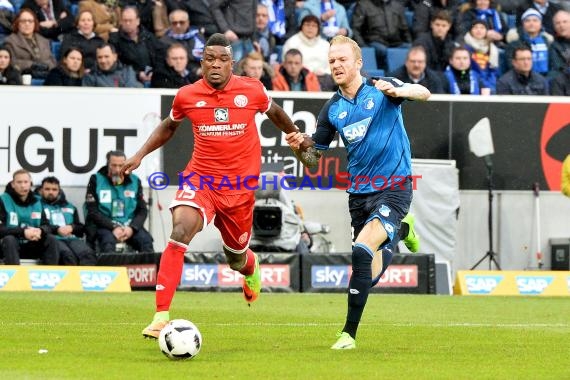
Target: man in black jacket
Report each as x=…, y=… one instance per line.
x=416, y=71
x=522, y=80
x=136, y=46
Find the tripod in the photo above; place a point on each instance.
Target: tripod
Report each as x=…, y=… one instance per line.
x=490, y=253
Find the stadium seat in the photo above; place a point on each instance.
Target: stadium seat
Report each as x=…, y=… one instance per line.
x=38, y=82
x=370, y=66
x=74, y=8
x=56, y=49
x=396, y=57
x=511, y=21
x=410, y=18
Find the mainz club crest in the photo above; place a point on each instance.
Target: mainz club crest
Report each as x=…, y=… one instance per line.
x=240, y=101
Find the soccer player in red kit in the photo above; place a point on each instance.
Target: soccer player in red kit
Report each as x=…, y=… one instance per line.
x=221, y=177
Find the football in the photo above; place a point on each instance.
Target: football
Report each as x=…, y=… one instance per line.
x=180, y=339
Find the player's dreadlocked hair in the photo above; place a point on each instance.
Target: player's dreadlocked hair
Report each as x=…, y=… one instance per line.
x=218, y=39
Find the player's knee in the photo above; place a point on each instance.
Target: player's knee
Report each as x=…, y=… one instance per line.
x=181, y=233
x=361, y=262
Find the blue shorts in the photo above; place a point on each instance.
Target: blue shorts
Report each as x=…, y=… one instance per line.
x=390, y=206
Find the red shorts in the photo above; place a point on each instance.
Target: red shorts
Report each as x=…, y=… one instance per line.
x=233, y=213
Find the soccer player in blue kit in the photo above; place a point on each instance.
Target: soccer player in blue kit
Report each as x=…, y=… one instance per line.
x=368, y=117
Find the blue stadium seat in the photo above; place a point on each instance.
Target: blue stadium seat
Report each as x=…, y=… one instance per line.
x=410, y=18
x=56, y=49
x=396, y=57
x=512, y=21
x=38, y=82
x=74, y=8
x=370, y=67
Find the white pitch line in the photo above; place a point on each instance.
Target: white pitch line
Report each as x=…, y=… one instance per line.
x=300, y=324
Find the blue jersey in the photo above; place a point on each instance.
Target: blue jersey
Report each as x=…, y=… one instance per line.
x=372, y=129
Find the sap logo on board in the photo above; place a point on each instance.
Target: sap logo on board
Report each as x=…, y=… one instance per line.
x=43, y=279
x=96, y=280
x=7, y=274
x=329, y=276
x=200, y=275
x=532, y=285
x=480, y=284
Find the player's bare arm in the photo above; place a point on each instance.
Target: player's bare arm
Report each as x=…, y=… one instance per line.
x=409, y=91
x=305, y=151
x=158, y=138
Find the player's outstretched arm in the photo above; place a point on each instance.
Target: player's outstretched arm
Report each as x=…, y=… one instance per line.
x=305, y=151
x=158, y=138
x=411, y=91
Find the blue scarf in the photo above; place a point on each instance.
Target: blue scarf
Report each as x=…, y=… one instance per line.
x=539, y=49
x=329, y=27
x=276, y=10
x=199, y=43
x=454, y=88
x=491, y=18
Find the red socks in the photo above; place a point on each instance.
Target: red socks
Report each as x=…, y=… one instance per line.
x=169, y=273
x=249, y=266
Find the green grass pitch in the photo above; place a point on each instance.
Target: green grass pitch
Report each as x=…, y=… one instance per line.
x=286, y=336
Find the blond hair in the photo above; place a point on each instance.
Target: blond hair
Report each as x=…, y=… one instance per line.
x=337, y=40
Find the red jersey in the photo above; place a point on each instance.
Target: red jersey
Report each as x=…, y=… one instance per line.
x=227, y=150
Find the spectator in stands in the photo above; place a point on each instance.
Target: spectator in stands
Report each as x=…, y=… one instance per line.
x=154, y=16
x=109, y=72
x=291, y=75
x=254, y=66
x=546, y=8
x=559, y=51
x=6, y=18
x=282, y=20
x=461, y=79
x=8, y=73
x=24, y=227
x=181, y=32
x=136, y=46
x=565, y=178
x=264, y=41
x=236, y=20
x=437, y=43
x=175, y=74
x=522, y=80
x=65, y=225
x=106, y=13
x=200, y=16
x=415, y=70
x=484, y=54
x=84, y=38
x=380, y=24
x=425, y=11
x=116, y=209
x=314, y=50
x=487, y=11
x=30, y=51
x=334, y=21
x=560, y=84
x=70, y=70
x=532, y=35
x=53, y=16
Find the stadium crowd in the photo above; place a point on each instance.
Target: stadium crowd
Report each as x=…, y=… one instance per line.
x=159, y=43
